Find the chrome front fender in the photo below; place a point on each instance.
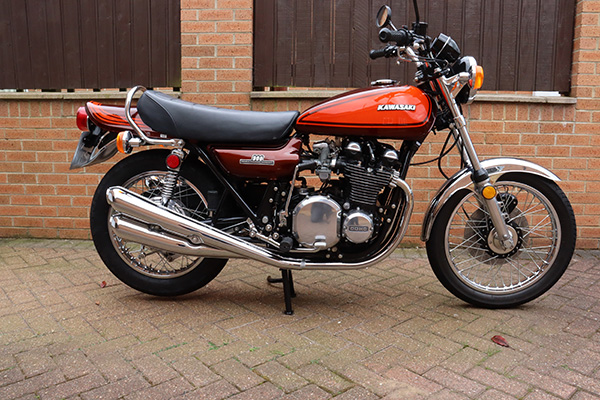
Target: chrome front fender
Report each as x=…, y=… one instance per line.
x=496, y=167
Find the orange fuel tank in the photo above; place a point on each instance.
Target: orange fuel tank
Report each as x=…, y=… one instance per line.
x=388, y=112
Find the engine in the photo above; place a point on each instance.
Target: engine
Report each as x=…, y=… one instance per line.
x=346, y=208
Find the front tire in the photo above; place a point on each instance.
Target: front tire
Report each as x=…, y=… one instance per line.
x=467, y=259
x=143, y=268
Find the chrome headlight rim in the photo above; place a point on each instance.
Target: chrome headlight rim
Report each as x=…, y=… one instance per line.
x=471, y=68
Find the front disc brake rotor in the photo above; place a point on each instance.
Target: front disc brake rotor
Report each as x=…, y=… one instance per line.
x=494, y=243
x=480, y=235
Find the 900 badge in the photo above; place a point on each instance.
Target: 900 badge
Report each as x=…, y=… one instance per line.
x=257, y=159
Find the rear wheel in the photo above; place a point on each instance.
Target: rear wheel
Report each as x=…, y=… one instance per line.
x=147, y=269
x=470, y=261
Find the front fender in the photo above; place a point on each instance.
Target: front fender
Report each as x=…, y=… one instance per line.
x=495, y=167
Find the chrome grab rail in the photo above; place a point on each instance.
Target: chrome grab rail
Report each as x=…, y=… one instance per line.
x=177, y=143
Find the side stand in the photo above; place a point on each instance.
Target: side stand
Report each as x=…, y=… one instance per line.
x=288, y=288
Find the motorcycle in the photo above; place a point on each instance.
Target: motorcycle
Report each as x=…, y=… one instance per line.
x=242, y=184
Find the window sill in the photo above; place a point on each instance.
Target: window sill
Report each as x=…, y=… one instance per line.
x=82, y=95
x=524, y=98
x=481, y=97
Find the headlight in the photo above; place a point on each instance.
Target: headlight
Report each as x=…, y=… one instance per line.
x=468, y=64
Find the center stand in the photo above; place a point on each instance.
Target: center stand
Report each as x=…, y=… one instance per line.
x=288, y=288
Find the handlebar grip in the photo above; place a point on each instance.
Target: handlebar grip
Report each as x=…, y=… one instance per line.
x=377, y=53
x=401, y=37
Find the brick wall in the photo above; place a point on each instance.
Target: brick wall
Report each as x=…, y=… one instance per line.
x=217, y=52
x=40, y=197
x=584, y=140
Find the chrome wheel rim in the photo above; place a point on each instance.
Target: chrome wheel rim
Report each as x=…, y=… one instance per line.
x=474, y=261
x=186, y=200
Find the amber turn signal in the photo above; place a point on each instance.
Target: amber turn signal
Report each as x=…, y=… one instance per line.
x=123, y=142
x=478, y=78
x=488, y=192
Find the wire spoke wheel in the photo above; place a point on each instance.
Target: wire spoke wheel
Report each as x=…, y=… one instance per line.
x=481, y=263
x=144, y=268
x=471, y=261
x=186, y=200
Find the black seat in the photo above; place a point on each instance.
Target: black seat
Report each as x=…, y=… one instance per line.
x=187, y=120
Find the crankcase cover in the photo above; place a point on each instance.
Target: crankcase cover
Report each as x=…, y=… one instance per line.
x=358, y=227
x=316, y=222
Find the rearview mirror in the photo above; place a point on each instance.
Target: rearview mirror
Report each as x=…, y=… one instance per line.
x=384, y=15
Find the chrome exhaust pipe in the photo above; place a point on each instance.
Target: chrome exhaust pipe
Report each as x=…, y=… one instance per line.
x=198, y=233
x=134, y=231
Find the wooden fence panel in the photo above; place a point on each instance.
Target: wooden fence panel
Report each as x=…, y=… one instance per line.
x=523, y=45
x=70, y=44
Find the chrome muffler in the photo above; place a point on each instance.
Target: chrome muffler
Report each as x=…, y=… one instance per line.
x=138, y=232
x=202, y=237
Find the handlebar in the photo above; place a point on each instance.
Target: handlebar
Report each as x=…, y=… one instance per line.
x=387, y=51
x=402, y=37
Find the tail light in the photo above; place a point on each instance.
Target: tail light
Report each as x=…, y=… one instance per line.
x=82, y=118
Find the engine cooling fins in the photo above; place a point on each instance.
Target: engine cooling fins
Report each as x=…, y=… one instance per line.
x=366, y=184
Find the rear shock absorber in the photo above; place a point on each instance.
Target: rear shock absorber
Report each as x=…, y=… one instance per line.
x=174, y=161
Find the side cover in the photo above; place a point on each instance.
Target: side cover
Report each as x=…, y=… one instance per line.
x=263, y=162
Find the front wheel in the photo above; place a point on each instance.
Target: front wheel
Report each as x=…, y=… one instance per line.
x=147, y=269
x=469, y=260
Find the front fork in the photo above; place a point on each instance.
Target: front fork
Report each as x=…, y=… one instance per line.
x=484, y=189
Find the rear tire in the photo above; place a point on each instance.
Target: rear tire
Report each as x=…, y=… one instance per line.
x=145, y=269
x=469, y=263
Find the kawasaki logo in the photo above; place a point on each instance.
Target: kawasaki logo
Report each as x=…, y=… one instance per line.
x=396, y=107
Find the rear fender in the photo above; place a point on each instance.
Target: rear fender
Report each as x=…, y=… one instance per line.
x=95, y=146
x=98, y=144
x=495, y=167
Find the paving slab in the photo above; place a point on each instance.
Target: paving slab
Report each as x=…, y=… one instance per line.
x=389, y=332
